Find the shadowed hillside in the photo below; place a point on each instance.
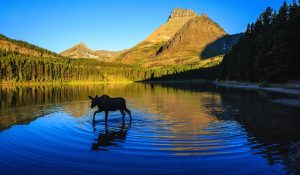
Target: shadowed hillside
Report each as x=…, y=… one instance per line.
x=220, y=46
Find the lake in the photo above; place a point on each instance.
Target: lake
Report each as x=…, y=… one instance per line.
x=176, y=129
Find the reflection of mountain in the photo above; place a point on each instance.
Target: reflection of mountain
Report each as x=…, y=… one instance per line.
x=77, y=108
x=110, y=136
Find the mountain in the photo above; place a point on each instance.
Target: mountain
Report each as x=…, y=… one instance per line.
x=12, y=45
x=140, y=53
x=181, y=40
x=82, y=51
x=186, y=45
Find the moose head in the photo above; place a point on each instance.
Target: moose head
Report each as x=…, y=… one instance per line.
x=93, y=101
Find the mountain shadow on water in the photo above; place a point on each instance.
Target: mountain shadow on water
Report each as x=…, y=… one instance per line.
x=220, y=46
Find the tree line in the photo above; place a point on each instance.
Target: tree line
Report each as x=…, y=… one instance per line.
x=16, y=67
x=268, y=51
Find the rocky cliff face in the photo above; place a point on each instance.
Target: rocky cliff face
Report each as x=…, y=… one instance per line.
x=181, y=15
x=176, y=20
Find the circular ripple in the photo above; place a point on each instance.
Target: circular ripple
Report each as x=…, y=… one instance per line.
x=59, y=142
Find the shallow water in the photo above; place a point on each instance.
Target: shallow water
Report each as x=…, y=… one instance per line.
x=176, y=129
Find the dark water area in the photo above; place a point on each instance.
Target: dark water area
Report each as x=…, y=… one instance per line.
x=176, y=129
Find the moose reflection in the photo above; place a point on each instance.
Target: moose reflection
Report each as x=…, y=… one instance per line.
x=105, y=103
x=110, y=136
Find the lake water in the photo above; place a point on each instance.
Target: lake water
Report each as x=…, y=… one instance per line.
x=176, y=129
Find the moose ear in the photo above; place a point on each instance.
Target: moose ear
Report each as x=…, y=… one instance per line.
x=90, y=97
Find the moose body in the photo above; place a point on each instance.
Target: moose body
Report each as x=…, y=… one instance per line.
x=105, y=103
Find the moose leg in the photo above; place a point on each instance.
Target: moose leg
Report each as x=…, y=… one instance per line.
x=123, y=114
x=128, y=112
x=106, y=116
x=98, y=111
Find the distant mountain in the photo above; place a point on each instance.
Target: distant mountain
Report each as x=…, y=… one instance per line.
x=185, y=38
x=82, y=51
x=11, y=45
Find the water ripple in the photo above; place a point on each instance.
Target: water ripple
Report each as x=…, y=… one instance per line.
x=157, y=143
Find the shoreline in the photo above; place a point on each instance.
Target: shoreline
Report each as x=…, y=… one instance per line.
x=294, y=102
x=256, y=86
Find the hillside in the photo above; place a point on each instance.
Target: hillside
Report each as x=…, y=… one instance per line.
x=11, y=45
x=82, y=51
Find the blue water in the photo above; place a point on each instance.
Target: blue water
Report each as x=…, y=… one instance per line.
x=175, y=130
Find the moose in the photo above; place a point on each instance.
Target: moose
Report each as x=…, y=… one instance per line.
x=105, y=103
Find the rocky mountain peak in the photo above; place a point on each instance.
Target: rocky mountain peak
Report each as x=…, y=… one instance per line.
x=178, y=14
x=81, y=45
x=204, y=15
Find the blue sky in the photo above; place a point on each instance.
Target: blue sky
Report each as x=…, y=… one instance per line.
x=115, y=24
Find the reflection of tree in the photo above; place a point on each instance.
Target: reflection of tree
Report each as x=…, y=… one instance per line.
x=110, y=136
x=271, y=128
x=22, y=115
x=184, y=113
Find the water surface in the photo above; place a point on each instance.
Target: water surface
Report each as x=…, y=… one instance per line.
x=176, y=129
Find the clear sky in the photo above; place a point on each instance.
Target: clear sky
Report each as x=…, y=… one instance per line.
x=113, y=24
